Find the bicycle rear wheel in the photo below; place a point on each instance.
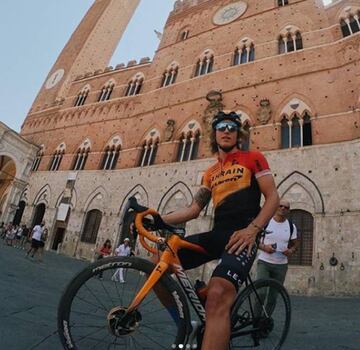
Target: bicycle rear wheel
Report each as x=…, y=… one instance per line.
x=83, y=321
x=261, y=316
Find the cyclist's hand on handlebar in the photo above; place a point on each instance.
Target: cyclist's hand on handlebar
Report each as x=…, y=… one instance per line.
x=153, y=225
x=241, y=239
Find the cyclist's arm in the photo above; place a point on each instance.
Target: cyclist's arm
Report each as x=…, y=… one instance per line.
x=268, y=189
x=201, y=199
x=246, y=237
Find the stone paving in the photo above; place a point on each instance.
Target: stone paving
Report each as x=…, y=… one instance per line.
x=30, y=291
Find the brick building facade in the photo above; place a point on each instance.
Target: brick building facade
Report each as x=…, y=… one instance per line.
x=289, y=67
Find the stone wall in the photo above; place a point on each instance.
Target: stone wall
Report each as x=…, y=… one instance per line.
x=318, y=179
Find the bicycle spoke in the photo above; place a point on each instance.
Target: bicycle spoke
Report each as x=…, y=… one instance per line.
x=263, y=317
x=99, y=342
x=87, y=322
x=107, y=293
x=91, y=333
x=104, y=307
x=161, y=331
x=146, y=336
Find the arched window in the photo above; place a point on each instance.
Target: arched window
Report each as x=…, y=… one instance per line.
x=285, y=134
x=282, y=46
x=296, y=132
x=307, y=132
x=37, y=161
x=354, y=24
x=135, y=84
x=110, y=157
x=106, y=91
x=188, y=146
x=304, y=223
x=82, y=96
x=290, y=42
x=170, y=76
x=91, y=226
x=57, y=158
x=244, y=54
x=81, y=157
x=148, y=153
x=283, y=2
x=298, y=41
x=204, y=65
x=184, y=34
x=345, y=29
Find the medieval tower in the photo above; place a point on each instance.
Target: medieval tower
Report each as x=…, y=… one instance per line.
x=289, y=67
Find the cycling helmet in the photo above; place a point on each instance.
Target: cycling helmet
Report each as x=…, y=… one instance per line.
x=220, y=116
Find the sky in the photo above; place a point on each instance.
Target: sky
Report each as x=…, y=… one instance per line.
x=33, y=33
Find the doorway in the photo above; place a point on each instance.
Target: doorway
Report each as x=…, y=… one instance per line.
x=39, y=214
x=19, y=213
x=59, y=237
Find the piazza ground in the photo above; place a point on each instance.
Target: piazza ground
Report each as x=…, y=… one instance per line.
x=30, y=292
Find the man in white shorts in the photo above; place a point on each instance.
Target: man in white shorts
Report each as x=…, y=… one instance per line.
x=122, y=250
x=36, y=239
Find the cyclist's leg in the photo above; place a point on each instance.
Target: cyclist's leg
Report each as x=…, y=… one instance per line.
x=220, y=297
x=227, y=277
x=188, y=259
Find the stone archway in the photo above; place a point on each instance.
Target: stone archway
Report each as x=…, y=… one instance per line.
x=16, y=158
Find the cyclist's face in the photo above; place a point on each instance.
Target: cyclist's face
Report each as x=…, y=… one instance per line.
x=226, y=137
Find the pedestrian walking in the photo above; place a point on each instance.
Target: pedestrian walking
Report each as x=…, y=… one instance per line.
x=2, y=230
x=36, y=239
x=104, y=251
x=44, y=238
x=10, y=235
x=18, y=236
x=122, y=250
x=25, y=236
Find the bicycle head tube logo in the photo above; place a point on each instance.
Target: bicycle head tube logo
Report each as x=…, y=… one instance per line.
x=112, y=264
x=67, y=335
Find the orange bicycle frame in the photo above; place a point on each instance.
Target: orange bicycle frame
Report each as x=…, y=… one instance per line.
x=168, y=258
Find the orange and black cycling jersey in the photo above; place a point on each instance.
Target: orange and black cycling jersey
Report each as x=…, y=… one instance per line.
x=234, y=189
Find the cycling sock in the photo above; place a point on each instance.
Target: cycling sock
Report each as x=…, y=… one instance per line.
x=173, y=313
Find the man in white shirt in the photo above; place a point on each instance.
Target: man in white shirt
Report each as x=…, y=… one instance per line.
x=277, y=245
x=36, y=239
x=122, y=250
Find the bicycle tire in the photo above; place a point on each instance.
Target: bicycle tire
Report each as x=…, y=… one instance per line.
x=255, y=321
x=72, y=306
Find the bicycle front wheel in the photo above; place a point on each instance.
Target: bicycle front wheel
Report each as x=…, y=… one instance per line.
x=92, y=313
x=261, y=316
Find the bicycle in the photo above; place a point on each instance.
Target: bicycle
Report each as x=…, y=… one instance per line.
x=98, y=313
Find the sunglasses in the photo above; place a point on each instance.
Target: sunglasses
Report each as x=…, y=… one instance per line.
x=283, y=206
x=222, y=126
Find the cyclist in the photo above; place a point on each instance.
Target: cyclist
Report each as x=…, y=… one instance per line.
x=235, y=184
